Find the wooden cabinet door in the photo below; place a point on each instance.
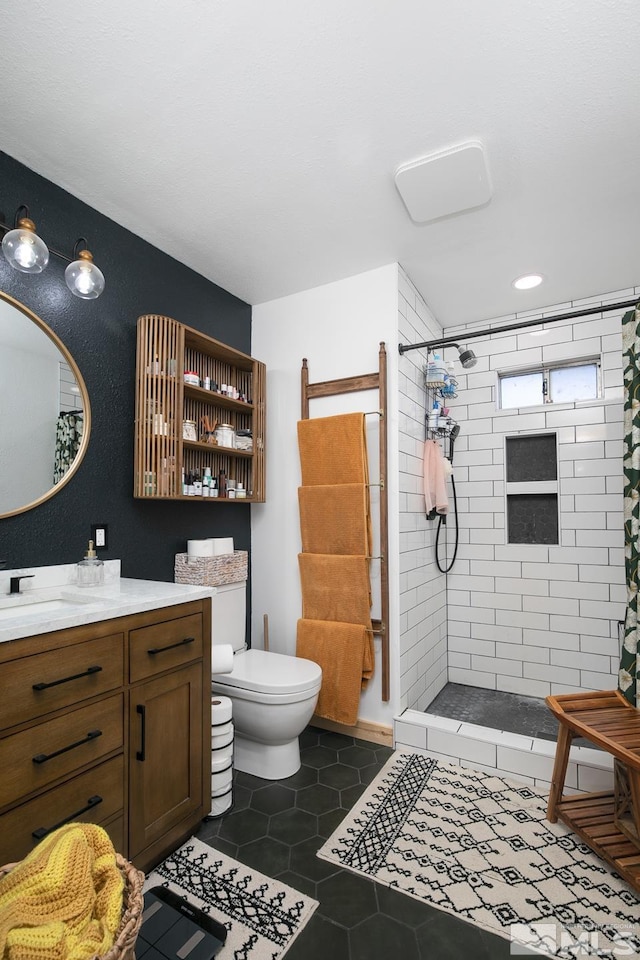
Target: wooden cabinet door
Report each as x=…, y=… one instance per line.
x=165, y=758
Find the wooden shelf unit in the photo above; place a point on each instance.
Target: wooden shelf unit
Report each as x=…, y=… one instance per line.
x=165, y=349
x=609, y=822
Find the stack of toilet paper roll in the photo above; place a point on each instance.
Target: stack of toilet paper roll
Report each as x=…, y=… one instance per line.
x=211, y=547
x=221, y=755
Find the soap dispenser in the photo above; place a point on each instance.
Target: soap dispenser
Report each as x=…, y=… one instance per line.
x=91, y=569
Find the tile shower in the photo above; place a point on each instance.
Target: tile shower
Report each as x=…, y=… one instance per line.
x=526, y=618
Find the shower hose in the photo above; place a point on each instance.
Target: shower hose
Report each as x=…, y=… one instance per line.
x=442, y=522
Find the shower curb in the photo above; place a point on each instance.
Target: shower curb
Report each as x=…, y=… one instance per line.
x=512, y=755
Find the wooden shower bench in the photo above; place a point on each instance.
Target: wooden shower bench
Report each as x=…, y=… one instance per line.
x=609, y=822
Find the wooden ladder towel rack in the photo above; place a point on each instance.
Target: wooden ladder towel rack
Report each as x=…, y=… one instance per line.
x=368, y=381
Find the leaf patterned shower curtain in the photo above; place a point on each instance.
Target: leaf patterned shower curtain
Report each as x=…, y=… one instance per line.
x=68, y=436
x=628, y=675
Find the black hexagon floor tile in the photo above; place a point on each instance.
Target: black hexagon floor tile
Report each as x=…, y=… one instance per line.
x=338, y=776
x=336, y=741
x=407, y=910
x=273, y=799
x=267, y=855
x=382, y=936
x=347, y=898
x=301, y=884
x=293, y=826
x=350, y=796
x=357, y=756
x=328, y=822
x=319, y=940
x=318, y=799
x=319, y=757
x=305, y=777
x=243, y=825
x=304, y=860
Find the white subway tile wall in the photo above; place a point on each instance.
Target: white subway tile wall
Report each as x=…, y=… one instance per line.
x=533, y=619
x=423, y=607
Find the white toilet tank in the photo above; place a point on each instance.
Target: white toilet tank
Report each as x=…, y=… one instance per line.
x=228, y=615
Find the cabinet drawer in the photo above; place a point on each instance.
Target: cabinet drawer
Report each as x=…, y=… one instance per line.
x=34, y=758
x=165, y=645
x=37, y=685
x=95, y=796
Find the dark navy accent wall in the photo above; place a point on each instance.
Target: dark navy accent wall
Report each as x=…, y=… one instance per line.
x=101, y=336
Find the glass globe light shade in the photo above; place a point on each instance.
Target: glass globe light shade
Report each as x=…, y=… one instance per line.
x=23, y=248
x=83, y=278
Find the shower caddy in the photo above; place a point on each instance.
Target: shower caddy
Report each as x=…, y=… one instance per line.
x=440, y=388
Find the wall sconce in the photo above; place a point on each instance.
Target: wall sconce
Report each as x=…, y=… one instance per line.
x=25, y=251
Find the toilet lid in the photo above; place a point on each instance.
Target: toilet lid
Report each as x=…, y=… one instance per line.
x=268, y=672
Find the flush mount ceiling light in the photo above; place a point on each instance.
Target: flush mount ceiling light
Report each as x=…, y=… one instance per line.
x=528, y=282
x=25, y=251
x=444, y=183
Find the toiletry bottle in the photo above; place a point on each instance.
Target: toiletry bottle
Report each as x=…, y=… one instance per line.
x=91, y=569
x=197, y=485
x=222, y=484
x=433, y=418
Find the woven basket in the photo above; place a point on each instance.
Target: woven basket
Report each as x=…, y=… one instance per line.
x=132, y=907
x=212, y=571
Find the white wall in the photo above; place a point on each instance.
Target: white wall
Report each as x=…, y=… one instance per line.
x=423, y=612
x=535, y=619
x=338, y=328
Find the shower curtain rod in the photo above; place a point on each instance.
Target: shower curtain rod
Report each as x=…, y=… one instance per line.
x=474, y=334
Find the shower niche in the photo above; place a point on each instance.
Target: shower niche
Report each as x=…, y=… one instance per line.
x=532, y=489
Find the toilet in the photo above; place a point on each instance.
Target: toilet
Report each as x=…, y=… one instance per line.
x=273, y=695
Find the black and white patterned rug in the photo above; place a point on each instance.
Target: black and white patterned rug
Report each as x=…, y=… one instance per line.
x=479, y=846
x=262, y=916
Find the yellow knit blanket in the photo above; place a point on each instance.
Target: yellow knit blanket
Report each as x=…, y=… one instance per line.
x=64, y=900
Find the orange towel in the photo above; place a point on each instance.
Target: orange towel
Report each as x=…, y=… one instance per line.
x=333, y=450
x=435, y=480
x=335, y=588
x=345, y=653
x=335, y=519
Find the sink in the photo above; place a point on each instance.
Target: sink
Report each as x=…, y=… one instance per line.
x=34, y=602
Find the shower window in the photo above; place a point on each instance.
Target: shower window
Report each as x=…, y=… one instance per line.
x=559, y=383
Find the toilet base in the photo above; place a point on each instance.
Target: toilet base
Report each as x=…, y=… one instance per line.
x=271, y=762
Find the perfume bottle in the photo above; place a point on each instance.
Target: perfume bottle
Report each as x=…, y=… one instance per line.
x=91, y=569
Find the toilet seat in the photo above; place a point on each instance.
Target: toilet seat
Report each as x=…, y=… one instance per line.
x=263, y=676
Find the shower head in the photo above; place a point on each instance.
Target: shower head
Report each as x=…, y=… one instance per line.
x=455, y=430
x=467, y=357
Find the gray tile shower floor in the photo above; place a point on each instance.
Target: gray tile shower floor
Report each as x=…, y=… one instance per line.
x=277, y=828
x=493, y=708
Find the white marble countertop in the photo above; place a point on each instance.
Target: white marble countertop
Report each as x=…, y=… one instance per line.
x=56, y=606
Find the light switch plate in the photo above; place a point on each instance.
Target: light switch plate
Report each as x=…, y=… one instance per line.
x=99, y=532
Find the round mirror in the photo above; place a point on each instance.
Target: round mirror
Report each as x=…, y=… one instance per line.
x=45, y=414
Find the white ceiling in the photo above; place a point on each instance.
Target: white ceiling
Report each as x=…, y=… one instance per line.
x=257, y=141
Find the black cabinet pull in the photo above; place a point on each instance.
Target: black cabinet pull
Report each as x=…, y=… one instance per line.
x=45, y=831
x=172, y=646
x=142, y=710
x=43, y=757
x=76, y=676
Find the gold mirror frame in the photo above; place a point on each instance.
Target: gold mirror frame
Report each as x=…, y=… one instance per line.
x=84, y=443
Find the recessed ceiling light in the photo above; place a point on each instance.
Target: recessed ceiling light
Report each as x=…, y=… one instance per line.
x=528, y=282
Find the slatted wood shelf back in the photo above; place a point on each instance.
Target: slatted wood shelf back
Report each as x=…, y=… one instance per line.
x=166, y=349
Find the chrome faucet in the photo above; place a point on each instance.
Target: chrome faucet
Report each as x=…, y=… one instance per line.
x=14, y=582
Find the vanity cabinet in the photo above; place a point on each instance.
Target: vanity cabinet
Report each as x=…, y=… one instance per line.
x=108, y=723
x=166, y=350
